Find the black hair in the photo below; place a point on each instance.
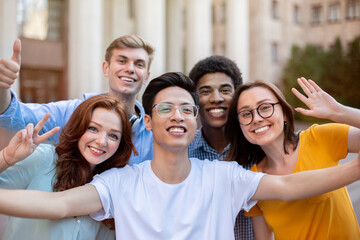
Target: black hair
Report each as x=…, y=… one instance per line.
x=170, y=79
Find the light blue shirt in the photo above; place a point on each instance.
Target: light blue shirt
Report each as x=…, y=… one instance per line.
x=19, y=114
x=37, y=172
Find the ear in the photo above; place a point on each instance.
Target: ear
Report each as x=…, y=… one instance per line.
x=147, y=121
x=146, y=80
x=105, y=68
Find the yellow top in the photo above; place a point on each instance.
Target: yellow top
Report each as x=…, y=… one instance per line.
x=327, y=216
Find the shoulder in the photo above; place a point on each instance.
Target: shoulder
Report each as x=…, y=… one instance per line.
x=325, y=130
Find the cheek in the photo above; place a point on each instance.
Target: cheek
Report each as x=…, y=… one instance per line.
x=113, y=146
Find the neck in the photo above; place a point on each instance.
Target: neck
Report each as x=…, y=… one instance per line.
x=128, y=103
x=171, y=167
x=215, y=137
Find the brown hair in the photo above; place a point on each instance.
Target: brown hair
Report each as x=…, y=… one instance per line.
x=130, y=41
x=241, y=150
x=72, y=169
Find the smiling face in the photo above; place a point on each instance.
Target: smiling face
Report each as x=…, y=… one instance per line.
x=174, y=132
x=262, y=131
x=215, y=91
x=102, y=137
x=127, y=71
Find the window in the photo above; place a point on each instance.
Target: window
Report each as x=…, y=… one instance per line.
x=334, y=12
x=274, y=52
x=275, y=10
x=316, y=14
x=353, y=9
x=40, y=19
x=297, y=14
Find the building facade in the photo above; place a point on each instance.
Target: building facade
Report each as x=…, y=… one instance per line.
x=64, y=41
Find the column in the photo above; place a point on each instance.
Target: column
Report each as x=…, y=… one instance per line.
x=85, y=47
x=150, y=23
x=175, y=35
x=198, y=37
x=237, y=34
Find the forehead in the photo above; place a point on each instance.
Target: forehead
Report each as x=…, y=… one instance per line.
x=174, y=95
x=131, y=53
x=255, y=96
x=106, y=117
x=214, y=80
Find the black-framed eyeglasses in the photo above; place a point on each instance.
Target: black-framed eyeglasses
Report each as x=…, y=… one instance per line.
x=265, y=110
x=168, y=110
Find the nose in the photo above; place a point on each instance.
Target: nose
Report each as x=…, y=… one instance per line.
x=101, y=139
x=216, y=97
x=177, y=116
x=256, y=116
x=130, y=67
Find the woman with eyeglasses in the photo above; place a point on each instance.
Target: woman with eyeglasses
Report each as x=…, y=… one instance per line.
x=261, y=131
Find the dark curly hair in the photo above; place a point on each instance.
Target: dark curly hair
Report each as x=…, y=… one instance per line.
x=214, y=64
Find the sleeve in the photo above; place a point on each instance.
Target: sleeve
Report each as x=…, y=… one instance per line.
x=245, y=184
x=333, y=137
x=18, y=114
x=20, y=175
x=254, y=211
x=102, y=187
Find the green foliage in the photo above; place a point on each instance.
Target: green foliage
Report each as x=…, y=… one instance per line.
x=336, y=71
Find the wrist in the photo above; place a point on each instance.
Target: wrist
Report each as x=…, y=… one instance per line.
x=6, y=158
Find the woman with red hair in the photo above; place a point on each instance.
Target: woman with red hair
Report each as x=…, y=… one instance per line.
x=96, y=138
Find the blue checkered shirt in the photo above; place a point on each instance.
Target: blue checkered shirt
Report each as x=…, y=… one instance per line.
x=200, y=149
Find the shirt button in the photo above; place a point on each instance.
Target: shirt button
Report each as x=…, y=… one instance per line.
x=78, y=221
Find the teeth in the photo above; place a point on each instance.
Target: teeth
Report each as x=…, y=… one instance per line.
x=176, y=130
x=261, y=129
x=96, y=150
x=217, y=110
x=128, y=79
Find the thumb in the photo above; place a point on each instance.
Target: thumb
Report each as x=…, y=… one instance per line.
x=17, y=52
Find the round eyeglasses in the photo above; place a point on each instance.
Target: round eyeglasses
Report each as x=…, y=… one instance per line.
x=265, y=110
x=168, y=110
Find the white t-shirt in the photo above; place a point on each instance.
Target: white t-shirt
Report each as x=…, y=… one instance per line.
x=203, y=206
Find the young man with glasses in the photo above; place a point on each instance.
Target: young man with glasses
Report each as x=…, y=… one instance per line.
x=126, y=65
x=172, y=196
x=216, y=78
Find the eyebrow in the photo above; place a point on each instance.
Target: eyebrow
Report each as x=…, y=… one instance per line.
x=221, y=86
x=98, y=124
x=184, y=103
x=257, y=103
x=138, y=59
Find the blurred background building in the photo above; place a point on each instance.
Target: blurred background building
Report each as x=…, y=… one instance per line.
x=64, y=41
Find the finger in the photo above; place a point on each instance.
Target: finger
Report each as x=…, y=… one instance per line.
x=299, y=95
x=29, y=132
x=9, y=68
x=303, y=111
x=315, y=86
x=303, y=86
x=17, y=52
x=308, y=85
x=47, y=135
x=41, y=123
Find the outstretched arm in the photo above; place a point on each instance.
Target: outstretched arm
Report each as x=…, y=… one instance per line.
x=308, y=183
x=9, y=72
x=50, y=205
x=24, y=143
x=322, y=105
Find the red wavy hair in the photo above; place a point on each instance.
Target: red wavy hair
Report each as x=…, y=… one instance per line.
x=72, y=169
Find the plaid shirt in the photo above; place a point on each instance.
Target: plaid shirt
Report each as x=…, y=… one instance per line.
x=200, y=149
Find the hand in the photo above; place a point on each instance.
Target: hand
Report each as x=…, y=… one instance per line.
x=25, y=141
x=10, y=67
x=320, y=103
